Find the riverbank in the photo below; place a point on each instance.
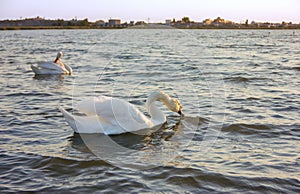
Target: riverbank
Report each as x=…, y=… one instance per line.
x=136, y=27
x=54, y=27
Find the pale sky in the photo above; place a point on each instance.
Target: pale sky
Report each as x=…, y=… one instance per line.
x=156, y=10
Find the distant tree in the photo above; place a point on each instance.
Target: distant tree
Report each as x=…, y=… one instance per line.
x=85, y=22
x=186, y=19
x=173, y=20
x=60, y=22
x=246, y=23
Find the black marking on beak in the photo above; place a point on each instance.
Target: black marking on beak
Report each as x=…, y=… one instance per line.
x=180, y=112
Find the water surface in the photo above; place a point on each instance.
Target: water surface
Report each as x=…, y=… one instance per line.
x=239, y=90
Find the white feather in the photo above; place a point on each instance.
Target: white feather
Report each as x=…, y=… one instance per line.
x=115, y=116
x=51, y=68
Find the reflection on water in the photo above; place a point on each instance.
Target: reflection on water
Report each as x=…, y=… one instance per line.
x=49, y=77
x=141, y=151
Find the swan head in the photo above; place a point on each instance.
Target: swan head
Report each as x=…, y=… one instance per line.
x=175, y=106
x=59, y=55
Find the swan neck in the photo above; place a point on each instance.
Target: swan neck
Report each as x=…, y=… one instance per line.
x=158, y=96
x=156, y=114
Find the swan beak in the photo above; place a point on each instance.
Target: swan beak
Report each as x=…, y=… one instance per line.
x=180, y=113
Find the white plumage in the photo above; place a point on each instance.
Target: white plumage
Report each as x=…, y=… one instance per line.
x=115, y=116
x=52, y=68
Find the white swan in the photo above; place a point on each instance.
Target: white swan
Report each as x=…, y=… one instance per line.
x=115, y=116
x=52, y=68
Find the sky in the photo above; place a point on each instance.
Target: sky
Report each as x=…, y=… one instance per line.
x=155, y=10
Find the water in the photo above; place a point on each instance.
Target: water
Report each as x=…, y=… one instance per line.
x=240, y=95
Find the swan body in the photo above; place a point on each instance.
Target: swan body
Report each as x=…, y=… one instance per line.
x=52, y=68
x=111, y=116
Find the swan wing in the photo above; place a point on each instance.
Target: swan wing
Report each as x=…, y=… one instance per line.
x=88, y=106
x=49, y=65
x=52, y=68
x=82, y=124
x=119, y=113
x=91, y=124
x=47, y=68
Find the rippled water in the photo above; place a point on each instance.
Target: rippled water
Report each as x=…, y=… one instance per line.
x=240, y=95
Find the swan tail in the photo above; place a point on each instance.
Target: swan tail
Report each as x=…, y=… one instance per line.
x=34, y=69
x=83, y=124
x=69, y=118
x=66, y=114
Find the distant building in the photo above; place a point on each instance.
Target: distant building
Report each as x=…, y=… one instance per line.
x=37, y=18
x=114, y=22
x=100, y=23
x=168, y=22
x=218, y=21
x=140, y=23
x=207, y=21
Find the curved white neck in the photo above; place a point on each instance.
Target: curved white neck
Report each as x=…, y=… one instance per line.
x=157, y=116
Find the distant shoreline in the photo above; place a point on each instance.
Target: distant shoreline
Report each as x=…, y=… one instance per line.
x=39, y=23
x=4, y=28
x=54, y=27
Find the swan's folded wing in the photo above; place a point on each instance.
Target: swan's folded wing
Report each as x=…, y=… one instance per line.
x=91, y=105
x=86, y=124
x=124, y=115
x=49, y=65
x=118, y=112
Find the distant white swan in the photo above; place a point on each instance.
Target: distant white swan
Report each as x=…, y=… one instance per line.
x=115, y=116
x=52, y=68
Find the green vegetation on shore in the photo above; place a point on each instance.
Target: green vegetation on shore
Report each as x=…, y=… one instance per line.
x=53, y=27
x=39, y=23
x=142, y=27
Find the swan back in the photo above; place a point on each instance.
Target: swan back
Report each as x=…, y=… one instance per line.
x=119, y=113
x=47, y=68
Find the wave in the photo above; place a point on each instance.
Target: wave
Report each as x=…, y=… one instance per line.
x=248, y=129
x=19, y=170
x=244, y=79
x=247, y=126
x=296, y=68
x=28, y=94
x=51, y=174
x=197, y=180
x=261, y=130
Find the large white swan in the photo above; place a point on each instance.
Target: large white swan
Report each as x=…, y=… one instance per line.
x=52, y=68
x=110, y=116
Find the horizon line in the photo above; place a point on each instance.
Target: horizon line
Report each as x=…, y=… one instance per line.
x=147, y=19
